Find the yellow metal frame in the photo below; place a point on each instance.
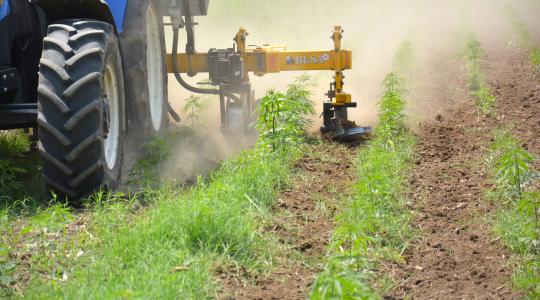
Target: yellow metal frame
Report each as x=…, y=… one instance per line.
x=274, y=59
x=266, y=60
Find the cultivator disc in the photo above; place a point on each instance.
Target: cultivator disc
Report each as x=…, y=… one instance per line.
x=339, y=128
x=353, y=135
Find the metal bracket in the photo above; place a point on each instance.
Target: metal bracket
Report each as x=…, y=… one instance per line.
x=22, y=115
x=8, y=80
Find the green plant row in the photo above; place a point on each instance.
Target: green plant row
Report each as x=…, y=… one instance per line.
x=167, y=253
x=516, y=191
x=170, y=250
x=478, y=87
x=535, y=58
x=374, y=225
x=524, y=37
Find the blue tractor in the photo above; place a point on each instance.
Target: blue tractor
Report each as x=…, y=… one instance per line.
x=84, y=73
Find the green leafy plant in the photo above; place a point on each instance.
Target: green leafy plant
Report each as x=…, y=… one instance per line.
x=13, y=143
x=478, y=87
x=473, y=50
x=283, y=117
x=146, y=170
x=473, y=54
x=520, y=28
x=524, y=37
x=339, y=281
x=518, y=219
x=391, y=108
x=484, y=99
x=535, y=58
x=193, y=108
x=375, y=223
x=511, y=164
x=403, y=60
x=167, y=251
x=9, y=183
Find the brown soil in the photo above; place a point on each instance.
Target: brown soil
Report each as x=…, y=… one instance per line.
x=517, y=87
x=305, y=228
x=457, y=256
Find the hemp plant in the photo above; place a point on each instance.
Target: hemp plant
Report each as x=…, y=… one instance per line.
x=193, y=108
x=473, y=54
x=518, y=220
x=512, y=164
x=535, y=58
x=478, y=87
x=283, y=117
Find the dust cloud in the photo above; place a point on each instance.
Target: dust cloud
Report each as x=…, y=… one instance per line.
x=374, y=30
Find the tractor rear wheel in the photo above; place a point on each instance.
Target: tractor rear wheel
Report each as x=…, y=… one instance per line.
x=142, y=42
x=81, y=111
x=156, y=70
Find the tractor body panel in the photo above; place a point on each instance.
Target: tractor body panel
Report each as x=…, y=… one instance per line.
x=21, y=34
x=4, y=9
x=118, y=11
x=110, y=11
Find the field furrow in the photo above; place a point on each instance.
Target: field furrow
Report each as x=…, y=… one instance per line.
x=303, y=225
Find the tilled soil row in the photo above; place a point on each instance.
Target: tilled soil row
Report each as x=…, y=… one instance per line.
x=306, y=226
x=458, y=257
x=517, y=87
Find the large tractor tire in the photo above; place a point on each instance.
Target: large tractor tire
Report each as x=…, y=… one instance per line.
x=143, y=42
x=81, y=108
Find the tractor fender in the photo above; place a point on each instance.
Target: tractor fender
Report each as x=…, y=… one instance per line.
x=5, y=9
x=110, y=11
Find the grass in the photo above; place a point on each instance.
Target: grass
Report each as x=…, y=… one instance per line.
x=518, y=219
x=374, y=226
x=478, y=87
x=173, y=247
x=168, y=251
x=19, y=172
x=38, y=239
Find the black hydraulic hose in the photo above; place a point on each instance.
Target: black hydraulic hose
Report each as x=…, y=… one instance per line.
x=179, y=78
x=190, y=49
x=190, y=45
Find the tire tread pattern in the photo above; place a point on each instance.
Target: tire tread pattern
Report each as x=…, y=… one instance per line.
x=71, y=166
